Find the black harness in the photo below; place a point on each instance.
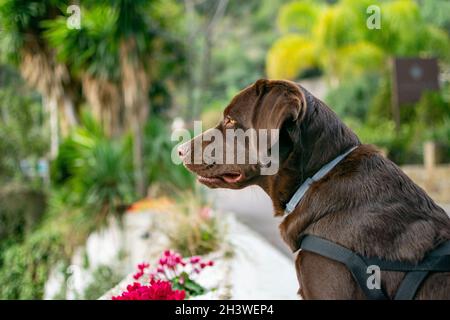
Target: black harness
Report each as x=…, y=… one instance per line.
x=438, y=260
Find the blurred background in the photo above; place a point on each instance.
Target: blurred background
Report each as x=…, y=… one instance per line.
x=91, y=90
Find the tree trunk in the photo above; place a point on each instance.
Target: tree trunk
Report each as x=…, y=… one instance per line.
x=138, y=156
x=41, y=71
x=191, y=60
x=135, y=86
x=105, y=99
x=67, y=115
x=201, y=84
x=209, y=43
x=51, y=107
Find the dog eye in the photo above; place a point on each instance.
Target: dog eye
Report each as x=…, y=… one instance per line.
x=229, y=122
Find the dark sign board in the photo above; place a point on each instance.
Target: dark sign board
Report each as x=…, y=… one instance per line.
x=412, y=76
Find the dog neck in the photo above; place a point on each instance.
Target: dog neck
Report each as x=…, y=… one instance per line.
x=317, y=139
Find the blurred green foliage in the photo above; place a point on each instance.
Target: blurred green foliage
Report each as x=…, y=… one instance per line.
x=93, y=174
x=231, y=56
x=343, y=45
x=26, y=266
x=97, y=169
x=22, y=207
x=353, y=98
x=162, y=172
x=23, y=133
x=192, y=228
x=428, y=120
x=92, y=180
x=334, y=38
x=103, y=279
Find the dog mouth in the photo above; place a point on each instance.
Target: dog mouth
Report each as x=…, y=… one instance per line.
x=232, y=177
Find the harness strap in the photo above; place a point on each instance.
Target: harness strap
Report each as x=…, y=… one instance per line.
x=410, y=284
x=441, y=250
x=437, y=260
x=352, y=261
x=430, y=263
x=413, y=279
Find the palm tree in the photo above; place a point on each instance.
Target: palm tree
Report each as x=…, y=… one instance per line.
x=135, y=50
x=23, y=44
x=108, y=55
x=114, y=54
x=92, y=55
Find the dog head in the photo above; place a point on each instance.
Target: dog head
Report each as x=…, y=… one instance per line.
x=254, y=137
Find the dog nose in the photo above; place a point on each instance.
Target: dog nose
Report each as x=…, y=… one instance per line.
x=180, y=152
x=183, y=151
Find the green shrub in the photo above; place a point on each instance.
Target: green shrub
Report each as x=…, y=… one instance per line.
x=191, y=230
x=432, y=109
x=26, y=266
x=23, y=130
x=366, y=106
x=93, y=181
x=380, y=108
x=441, y=135
x=97, y=170
x=353, y=97
x=400, y=146
x=162, y=172
x=21, y=208
x=104, y=278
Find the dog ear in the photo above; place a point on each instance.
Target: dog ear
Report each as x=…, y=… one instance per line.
x=288, y=105
x=294, y=108
x=261, y=86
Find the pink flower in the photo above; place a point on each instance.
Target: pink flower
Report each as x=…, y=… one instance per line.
x=160, y=270
x=134, y=286
x=171, y=265
x=143, y=266
x=195, y=259
x=205, y=212
x=157, y=290
x=138, y=275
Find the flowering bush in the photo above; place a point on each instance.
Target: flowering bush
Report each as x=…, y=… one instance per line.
x=141, y=267
x=192, y=227
x=157, y=290
x=173, y=279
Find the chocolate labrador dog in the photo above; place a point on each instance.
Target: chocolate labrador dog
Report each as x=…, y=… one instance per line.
x=365, y=203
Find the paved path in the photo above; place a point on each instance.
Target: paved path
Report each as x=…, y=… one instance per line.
x=274, y=278
x=446, y=208
x=254, y=208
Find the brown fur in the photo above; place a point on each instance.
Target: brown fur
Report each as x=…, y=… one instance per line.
x=366, y=203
